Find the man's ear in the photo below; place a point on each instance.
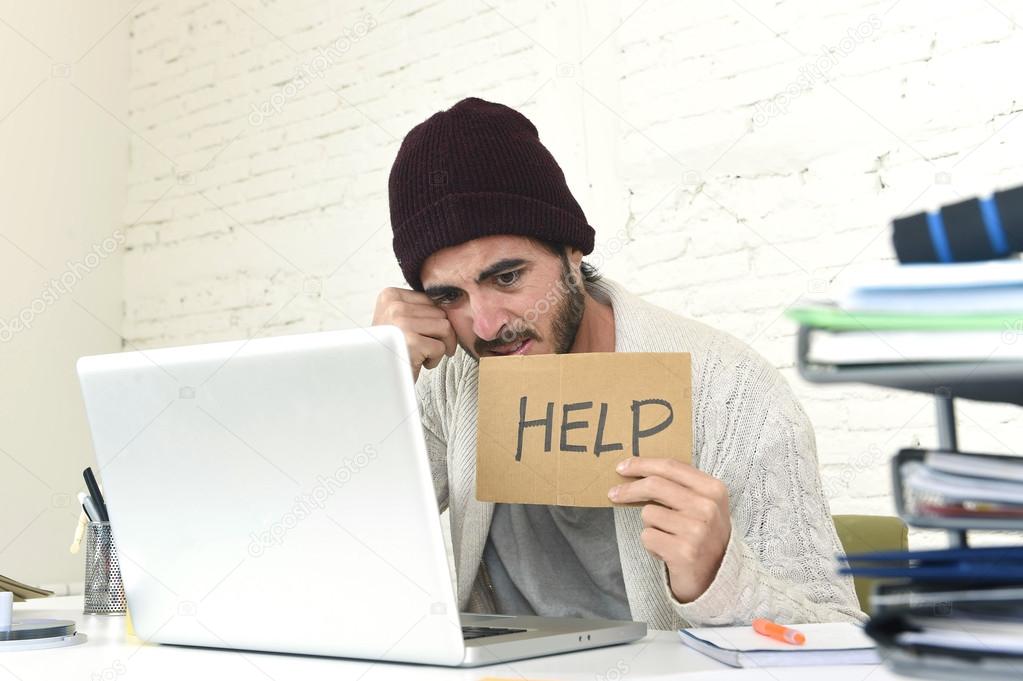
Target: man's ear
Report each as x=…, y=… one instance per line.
x=575, y=256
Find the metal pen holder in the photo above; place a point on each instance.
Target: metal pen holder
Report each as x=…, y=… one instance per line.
x=104, y=590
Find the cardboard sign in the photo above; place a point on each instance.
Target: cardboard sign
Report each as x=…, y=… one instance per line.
x=552, y=428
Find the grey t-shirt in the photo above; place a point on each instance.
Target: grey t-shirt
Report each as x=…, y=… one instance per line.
x=555, y=561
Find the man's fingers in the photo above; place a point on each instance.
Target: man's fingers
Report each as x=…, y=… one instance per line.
x=674, y=470
x=417, y=310
x=394, y=303
x=427, y=326
x=394, y=311
x=676, y=498
x=449, y=339
x=657, y=542
x=405, y=295
x=659, y=517
x=424, y=351
x=664, y=492
x=429, y=335
x=680, y=523
x=438, y=329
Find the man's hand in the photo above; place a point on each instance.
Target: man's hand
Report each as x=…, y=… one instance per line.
x=686, y=524
x=428, y=333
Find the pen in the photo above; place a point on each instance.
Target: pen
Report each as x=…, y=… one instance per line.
x=86, y=509
x=97, y=497
x=778, y=632
x=89, y=506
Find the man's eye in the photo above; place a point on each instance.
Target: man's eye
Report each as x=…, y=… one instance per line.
x=445, y=298
x=508, y=278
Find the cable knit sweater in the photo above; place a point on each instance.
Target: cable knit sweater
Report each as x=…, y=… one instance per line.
x=748, y=431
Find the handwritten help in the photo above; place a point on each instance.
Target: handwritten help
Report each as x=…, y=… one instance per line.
x=550, y=429
x=599, y=446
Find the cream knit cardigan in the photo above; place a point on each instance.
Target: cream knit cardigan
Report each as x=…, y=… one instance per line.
x=748, y=431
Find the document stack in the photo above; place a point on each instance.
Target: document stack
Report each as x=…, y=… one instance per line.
x=22, y=591
x=956, y=296
x=960, y=312
x=951, y=613
x=947, y=321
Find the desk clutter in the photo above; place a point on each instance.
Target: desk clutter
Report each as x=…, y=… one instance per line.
x=959, y=489
x=103, y=588
x=104, y=593
x=955, y=296
x=963, y=312
x=30, y=634
x=20, y=591
x=830, y=643
x=956, y=610
x=945, y=321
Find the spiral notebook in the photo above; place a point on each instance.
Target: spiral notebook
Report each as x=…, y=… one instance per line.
x=831, y=643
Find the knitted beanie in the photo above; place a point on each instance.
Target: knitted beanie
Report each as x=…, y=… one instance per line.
x=477, y=169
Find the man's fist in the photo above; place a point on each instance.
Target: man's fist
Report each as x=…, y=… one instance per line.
x=428, y=333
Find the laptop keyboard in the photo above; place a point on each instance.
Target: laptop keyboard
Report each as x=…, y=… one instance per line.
x=469, y=633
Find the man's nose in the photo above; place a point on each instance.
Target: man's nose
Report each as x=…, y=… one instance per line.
x=487, y=320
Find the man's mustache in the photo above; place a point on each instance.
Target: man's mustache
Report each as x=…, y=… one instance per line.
x=486, y=346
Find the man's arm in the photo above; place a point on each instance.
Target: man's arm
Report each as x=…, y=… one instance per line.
x=430, y=340
x=749, y=533
x=779, y=561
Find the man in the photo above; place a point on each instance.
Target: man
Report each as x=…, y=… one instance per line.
x=491, y=241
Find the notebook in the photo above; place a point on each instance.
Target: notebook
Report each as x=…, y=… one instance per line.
x=898, y=347
x=832, y=643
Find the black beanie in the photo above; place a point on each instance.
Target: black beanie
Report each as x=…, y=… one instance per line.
x=477, y=169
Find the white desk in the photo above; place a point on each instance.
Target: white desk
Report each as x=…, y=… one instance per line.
x=110, y=655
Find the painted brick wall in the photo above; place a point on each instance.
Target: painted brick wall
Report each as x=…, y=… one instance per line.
x=733, y=156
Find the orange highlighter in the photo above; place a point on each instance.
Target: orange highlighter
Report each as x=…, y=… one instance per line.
x=778, y=632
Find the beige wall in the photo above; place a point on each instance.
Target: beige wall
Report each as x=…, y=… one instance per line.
x=63, y=161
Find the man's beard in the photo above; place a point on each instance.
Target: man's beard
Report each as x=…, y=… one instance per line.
x=567, y=315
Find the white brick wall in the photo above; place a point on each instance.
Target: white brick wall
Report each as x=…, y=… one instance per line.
x=711, y=195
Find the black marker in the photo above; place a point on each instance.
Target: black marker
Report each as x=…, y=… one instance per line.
x=97, y=497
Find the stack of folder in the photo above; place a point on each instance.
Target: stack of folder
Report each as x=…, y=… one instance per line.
x=957, y=612
x=972, y=489
x=918, y=314
x=966, y=629
x=22, y=591
x=956, y=296
x=947, y=320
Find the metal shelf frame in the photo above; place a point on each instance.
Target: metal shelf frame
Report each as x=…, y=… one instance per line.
x=1000, y=381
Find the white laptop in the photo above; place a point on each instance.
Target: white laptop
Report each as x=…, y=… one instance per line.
x=275, y=495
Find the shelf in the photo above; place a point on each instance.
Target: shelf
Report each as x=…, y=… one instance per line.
x=1000, y=381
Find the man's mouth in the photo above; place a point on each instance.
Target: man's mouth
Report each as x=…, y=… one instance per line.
x=517, y=348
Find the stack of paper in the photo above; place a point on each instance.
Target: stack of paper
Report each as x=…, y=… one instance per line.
x=964, y=485
x=992, y=286
x=921, y=314
x=959, y=609
x=22, y=591
x=950, y=630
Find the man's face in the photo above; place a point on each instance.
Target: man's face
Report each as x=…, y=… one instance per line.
x=507, y=295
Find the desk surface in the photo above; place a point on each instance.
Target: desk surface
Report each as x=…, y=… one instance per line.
x=110, y=655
